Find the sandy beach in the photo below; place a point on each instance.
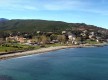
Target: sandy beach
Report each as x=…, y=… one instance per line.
x=43, y=50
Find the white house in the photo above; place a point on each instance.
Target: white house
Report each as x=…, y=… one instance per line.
x=92, y=35
x=72, y=38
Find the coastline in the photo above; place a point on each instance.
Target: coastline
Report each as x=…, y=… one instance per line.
x=43, y=50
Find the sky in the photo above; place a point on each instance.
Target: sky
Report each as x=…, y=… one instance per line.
x=93, y=12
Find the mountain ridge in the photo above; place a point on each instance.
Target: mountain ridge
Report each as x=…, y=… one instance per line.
x=3, y=19
x=29, y=25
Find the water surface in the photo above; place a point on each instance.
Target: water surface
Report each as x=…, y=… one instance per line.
x=65, y=64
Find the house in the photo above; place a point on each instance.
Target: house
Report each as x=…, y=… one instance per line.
x=29, y=41
x=15, y=39
x=84, y=34
x=63, y=32
x=98, y=39
x=92, y=36
x=11, y=38
x=53, y=41
x=38, y=32
x=72, y=38
x=21, y=39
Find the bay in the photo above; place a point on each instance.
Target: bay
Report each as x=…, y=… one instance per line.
x=66, y=64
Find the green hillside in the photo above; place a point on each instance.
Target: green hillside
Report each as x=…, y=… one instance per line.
x=40, y=25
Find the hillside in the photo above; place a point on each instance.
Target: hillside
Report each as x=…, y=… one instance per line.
x=41, y=25
x=3, y=19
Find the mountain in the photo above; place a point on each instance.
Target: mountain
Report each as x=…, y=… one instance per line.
x=41, y=25
x=3, y=19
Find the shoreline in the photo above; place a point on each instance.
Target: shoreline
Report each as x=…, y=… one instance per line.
x=43, y=50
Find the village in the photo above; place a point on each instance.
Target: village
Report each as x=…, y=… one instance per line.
x=13, y=43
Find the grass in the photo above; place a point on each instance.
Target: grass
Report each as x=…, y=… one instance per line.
x=91, y=42
x=14, y=47
x=9, y=47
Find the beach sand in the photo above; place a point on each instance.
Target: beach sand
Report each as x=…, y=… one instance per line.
x=42, y=50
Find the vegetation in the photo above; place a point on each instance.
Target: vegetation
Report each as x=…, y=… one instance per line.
x=9, y=47
x=40, y=25
x=91, y=42
x=21, y=35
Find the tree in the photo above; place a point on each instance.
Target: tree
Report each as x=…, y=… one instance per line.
x=78, y=40
x=61, y=38
x=43, y=39
x=53, y=37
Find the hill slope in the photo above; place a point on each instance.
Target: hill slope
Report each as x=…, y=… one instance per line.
x=40, y=25
x=3, y=19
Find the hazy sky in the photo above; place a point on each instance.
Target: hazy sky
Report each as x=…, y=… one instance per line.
x=93, y=12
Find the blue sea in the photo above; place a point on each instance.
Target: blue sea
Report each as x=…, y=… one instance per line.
x=66, y=64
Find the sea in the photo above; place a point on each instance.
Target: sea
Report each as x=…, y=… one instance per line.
x=65, y=64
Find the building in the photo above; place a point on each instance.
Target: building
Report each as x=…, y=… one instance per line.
x=15, y=39
x=72, y=38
